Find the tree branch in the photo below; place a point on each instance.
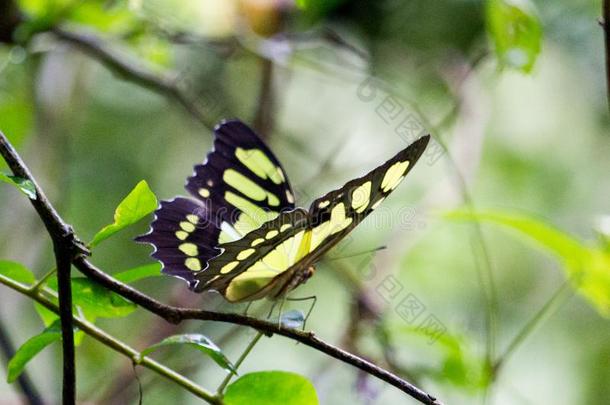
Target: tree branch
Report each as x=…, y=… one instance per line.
x=66, y=247
x=25, y=383
x=176, y=314
x=164, y=85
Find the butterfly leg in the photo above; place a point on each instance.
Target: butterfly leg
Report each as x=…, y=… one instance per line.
x=247, y=308
x=279, y=315
x=312, y=298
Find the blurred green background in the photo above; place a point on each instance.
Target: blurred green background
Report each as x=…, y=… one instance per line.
x=514, y=90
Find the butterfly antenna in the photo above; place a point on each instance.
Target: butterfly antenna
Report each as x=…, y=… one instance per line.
x=377, y=249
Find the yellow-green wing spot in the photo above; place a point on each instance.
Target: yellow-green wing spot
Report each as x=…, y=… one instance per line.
x=249, y=188
x=258, y=162
x=337, y=222
x=361, y=197
x=393, y=176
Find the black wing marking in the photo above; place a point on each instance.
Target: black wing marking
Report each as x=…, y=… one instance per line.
x=183, y=238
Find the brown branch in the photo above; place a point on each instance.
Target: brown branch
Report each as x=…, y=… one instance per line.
x=606, y=16
x=57, y=228
x=164, y=85
x=66, y=247
x=9, y=20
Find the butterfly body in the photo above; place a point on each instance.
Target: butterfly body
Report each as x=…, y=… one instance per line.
x=243, y=236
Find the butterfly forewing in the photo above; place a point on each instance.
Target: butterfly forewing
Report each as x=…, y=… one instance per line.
x=241, y=181
x=338, y=212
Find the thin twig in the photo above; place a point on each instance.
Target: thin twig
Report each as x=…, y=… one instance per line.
x=57, y=227
x=227, y=380
x=164, y=85
x=606, y=21
x=25, y=383
x=264, y=120
x=560, y=296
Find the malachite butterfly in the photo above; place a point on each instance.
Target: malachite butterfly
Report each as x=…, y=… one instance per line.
x=242, y=235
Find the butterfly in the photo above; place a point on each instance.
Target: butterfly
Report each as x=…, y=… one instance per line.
x=242, y=235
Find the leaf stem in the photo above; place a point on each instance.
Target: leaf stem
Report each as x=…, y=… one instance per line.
x=39, y=285
x=241, y=359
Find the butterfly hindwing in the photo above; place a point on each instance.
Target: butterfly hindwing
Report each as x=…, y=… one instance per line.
x=248, y=265
x=183, y=238
x=241, y=181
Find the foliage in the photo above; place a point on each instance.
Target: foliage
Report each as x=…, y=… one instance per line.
x=31, y=348
x=586, y=267
x=23, y=185
x=198, y=342
x=271, y=388
x=515, y=31
x=139, y=203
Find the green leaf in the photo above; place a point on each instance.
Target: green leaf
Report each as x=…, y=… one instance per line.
x=49, y=317
x=515, y=31
x=25, y=186
x=30, y=349
x=95, y=300
x=460, y=366
x=139, y=203
x=17, y=272
x=271, y=388
x=586, y=267
x=139, y=273
x=196, y=341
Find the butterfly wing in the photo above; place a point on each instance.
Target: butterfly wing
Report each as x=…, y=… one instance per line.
x=251, y=267
x=241, y=182
x=246, y=268
x=335, y=214
x=182, y=237
x=239, y=187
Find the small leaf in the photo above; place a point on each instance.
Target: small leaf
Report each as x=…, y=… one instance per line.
x=30, y=349
x=459, y=366
x=17, y=272
x=515, y=31
x=271, y=388
x=199, y=342
x=586, y=267
x=292, y=319
x=49, y=317
x=24, y=185
x=139, y=273
x=95, y=300
x=139, y=203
